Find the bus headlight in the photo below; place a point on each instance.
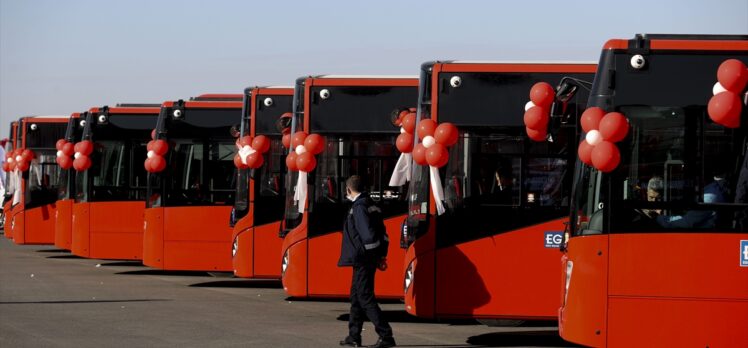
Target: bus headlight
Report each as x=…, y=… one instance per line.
x=408, y=277
x=235, y=246
x=569, y=267
x=284, y=263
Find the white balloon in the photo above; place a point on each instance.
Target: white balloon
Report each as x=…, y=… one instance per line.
x=529, y=105
x=717, y=89
x=60, y=154
x=19, y=158
x=11, y=160
x=77, y=154
x=300, y=149
x=151, y=154
x=402, y=130
x=428, y=141
x=593, y=137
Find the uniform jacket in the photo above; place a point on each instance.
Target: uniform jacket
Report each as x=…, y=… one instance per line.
x=359, y=237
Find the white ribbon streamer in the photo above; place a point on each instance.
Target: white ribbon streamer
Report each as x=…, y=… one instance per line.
x=401, y=174
x=18, y=183
x=301, y=191
x=436, y=189
x=37, y=169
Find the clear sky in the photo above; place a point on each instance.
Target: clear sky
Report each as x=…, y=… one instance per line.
x=57, y=57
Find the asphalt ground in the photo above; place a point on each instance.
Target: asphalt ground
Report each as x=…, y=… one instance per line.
x=50, y=298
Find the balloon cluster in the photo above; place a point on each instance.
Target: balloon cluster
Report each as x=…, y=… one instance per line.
x=65, y=152
x=538, y=111
x=155, y=161
x=82, y=150
x=435, y=139
x=302, y=158
x=598, y=149
x=250, y=151
x=18, y=159
x=725, y=106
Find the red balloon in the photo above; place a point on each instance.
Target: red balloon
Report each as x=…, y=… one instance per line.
x=542, y=94
x=160, y=147
x=255, y=160
x=68, y=149
x=409, y=122
x=22, y=165
x=536, y=135
x=314, y=143
x=426, y=127
x=6, y=166
x=291, y=161
x=419, y=154
x=404, y=142
x=286, y=140
x=147, y=165
x=65, y=162
x=261, y=144
x=28, y=155
x=591, y=118
x=306, y=162
x=732, y=74
x=298, y=138
x=605, y=156
x=60, y=143
x=446, y=134
x=614, y=127
x=244, y=141
x=158, y=163
x=148, y=146
x=585, y=152
x=85, y=147
x=536, y=118
x=238, y=162
x=437, y=155
x=82, y=163
x=725, y=108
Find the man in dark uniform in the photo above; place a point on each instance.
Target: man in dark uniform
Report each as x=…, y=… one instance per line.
x=364, y=239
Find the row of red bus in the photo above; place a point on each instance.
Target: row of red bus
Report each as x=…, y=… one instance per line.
x=635, y=168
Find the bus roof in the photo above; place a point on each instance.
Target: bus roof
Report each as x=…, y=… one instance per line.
x=694, y=42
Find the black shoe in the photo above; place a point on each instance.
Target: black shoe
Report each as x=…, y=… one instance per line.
x=350, y=342
x=384, y=342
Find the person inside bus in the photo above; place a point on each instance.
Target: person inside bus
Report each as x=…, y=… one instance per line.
x=715, y=192
x=502, y=189
x=655, y=186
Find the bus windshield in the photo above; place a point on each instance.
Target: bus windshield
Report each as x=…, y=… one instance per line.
x=43, y=176
x=372, y=157
x=503, y=175
x=116, y=173
x=679, y=171
x=200, y=168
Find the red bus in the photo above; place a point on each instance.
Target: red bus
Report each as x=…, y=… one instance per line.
x=658, y=250
x=10, y=179
x=110, y=191
x=492, y=253
x=259, y=201
x=354, y=115
x=66, y=190
x=189, y=202
x=33, y=206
